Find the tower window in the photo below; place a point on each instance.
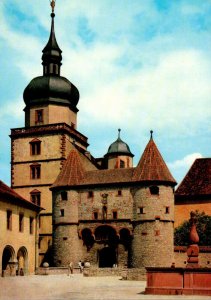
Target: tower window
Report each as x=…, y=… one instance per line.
x=36, y=197
x=35, y=147
x=64, y=195
x=167, y=209
x=119, y=193
x=154, y=190
x=141, y=210
x=104, y=212
x=90, y=194
x=61, y=212
x=31, y=225
x=39, y=116
x=9, y=219
x=35, y=171
x=21, y=222
x=122, y=163
x=95, y=215
x=114, y=214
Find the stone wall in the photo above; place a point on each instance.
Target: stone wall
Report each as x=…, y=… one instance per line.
x=152, y=243
x=124, y=273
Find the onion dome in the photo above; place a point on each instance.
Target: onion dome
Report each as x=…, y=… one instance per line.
x=51, y=87
x=119, y=148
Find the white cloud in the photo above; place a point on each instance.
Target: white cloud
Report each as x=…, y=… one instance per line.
x=185, y=162
x=15, y=110
x=173, y=93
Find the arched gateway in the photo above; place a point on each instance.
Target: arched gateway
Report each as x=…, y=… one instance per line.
x=107, y=256
x=8, y=261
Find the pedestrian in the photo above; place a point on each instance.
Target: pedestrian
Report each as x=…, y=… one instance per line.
x=80, y=266
x=70, y=268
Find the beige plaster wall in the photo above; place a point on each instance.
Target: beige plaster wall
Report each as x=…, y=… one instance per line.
x=53, y=114
x=13, y=237
x=182, y=210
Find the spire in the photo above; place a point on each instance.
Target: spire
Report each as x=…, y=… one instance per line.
x=151, y=166
x=52, y=53
x=151, y=134
x=119, y=130
x=72, y=172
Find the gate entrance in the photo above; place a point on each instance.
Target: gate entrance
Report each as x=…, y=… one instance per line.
x=7, y=261
x=107, y=257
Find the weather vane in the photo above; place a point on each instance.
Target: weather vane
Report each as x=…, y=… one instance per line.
x=52, y=3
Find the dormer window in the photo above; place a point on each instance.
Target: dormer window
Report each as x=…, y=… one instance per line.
x=154, y=190
x=38, y=116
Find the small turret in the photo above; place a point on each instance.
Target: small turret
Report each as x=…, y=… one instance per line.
x=119, y=154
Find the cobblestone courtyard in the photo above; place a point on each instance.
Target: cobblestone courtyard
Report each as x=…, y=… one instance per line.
x=62, y=287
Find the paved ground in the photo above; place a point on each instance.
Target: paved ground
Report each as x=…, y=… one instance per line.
x=62, y=287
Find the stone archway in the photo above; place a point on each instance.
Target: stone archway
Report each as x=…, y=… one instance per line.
x=107, y=257
x=8, y=261
x=22, y=257
x=106, y=236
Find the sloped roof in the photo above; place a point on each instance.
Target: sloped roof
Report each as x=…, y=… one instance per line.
x=108, y=176
x=8, y=194
x=151, y=166
x=198, y=179
x=72, y=172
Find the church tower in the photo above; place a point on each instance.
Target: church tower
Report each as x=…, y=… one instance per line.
x=39, y=149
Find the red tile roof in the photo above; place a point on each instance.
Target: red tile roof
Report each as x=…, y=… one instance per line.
x=152, y=166
x=72, y=172
x=198, y=179
x=8, y=194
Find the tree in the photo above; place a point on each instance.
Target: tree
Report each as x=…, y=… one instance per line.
x=203, y=226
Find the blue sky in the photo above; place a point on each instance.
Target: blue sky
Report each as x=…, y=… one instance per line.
x=139, y=65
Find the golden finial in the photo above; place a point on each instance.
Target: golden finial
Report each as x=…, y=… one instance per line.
x=52, y=3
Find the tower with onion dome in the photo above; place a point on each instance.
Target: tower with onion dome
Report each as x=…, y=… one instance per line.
x=39, y=149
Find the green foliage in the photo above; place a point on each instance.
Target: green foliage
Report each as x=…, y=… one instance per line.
x=203, y=226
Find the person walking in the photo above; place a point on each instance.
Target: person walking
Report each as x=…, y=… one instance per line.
x=70, y=269
x=80, y=266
